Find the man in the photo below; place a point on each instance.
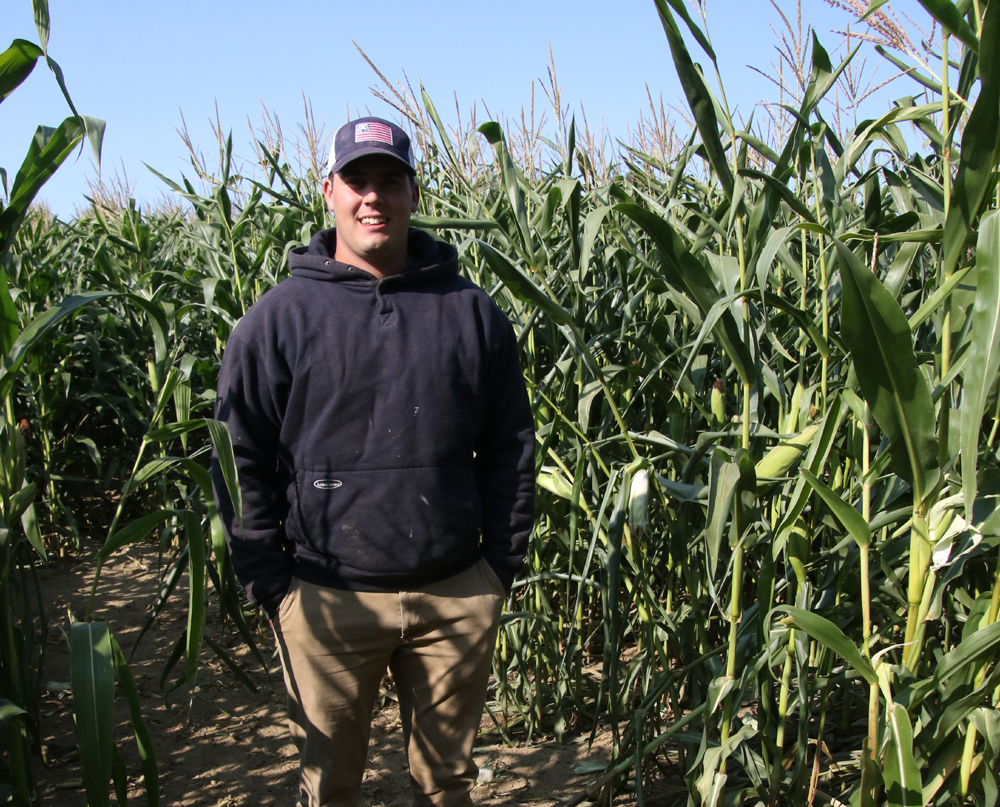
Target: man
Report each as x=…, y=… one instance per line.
x=384, y=444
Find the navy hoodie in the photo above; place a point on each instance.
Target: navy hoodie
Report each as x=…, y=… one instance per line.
x=381, y=428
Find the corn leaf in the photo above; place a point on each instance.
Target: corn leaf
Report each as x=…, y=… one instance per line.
x=980, y=146
x=871, y=777
x=946, y=13
x=969, y=649
x=758, y=145
x=48, y=150
x=119, y=776
x=222, y=445
x=612, y=611
x=681, y=9
x=182, y=405
x=875, y=330
x=911, y=71
x=699, y=98
x=852, y=520
x=38, y=327
x=957, y=710
x=196, y=595
x=984, y=353
x=40, y=11
x=93, y=681
x=16, y=64
x=930, y=235
x=165, y=394
x=684, y=272
x=10, y=323
x=172, y=430
x=521, y=285
x=515, y=196
x=94, y=128
x=724, y=478
x=169, y=584
x=171, y=662
x=711, y=320
x=442, y=133
x=800, y=318
x=591, y=228
x=158, y=322
x=781, y=190
x=147, y=754
x=228, y=660
x=822, y=77
x=154, y=468
x=29, y=523
x=877, y=129
x=829, y=635
x=745, y=500
x=940, y=767
x=942, y=293
x=9, y=710
x=20, y=501
x=203, y=478
x=903, y=787
x=718, y=688
x=873, y=6
x=135, y=531
x=445, y=223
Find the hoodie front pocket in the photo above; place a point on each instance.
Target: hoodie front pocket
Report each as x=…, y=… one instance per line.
x=405, y=521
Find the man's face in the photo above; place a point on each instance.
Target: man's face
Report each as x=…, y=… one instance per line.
x=372, y=199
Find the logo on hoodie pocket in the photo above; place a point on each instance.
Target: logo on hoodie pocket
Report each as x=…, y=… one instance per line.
x=327, y=484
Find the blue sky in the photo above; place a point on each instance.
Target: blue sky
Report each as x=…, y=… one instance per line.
x=138, y=65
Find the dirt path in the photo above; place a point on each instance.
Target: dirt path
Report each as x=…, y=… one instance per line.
x=234, y=751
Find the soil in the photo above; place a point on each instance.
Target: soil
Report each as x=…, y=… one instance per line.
x=229, y=747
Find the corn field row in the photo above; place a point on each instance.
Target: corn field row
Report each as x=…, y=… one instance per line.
x=765, y=384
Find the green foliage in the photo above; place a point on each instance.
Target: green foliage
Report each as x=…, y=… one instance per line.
x=20, y=331
x=709, y=339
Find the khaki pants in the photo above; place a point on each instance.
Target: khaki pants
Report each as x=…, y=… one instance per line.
x=438, y=642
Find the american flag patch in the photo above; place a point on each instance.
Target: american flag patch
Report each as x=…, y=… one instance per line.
x=373, y=131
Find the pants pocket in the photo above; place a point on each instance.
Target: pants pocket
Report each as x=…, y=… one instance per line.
x=287, y=600
x=491, y=576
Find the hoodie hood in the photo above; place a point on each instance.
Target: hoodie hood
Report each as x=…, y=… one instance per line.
x=426, y=259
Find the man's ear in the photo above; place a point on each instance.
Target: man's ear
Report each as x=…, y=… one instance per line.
x=416, y=195
x=328, y=192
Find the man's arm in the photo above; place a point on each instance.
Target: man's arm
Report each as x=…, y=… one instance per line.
x=250, y=403
x=505, y=467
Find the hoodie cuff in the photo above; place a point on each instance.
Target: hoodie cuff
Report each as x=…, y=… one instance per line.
x=271, y=603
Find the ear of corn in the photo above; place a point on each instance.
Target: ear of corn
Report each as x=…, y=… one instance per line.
x=778, y=461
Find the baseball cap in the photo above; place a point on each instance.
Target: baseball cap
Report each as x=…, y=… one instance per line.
x=369, y=136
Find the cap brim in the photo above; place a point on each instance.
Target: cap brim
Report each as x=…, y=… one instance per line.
x=366, y=151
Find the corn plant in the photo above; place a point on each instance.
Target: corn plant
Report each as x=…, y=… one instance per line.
x=726, y=615
x=20, y=618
